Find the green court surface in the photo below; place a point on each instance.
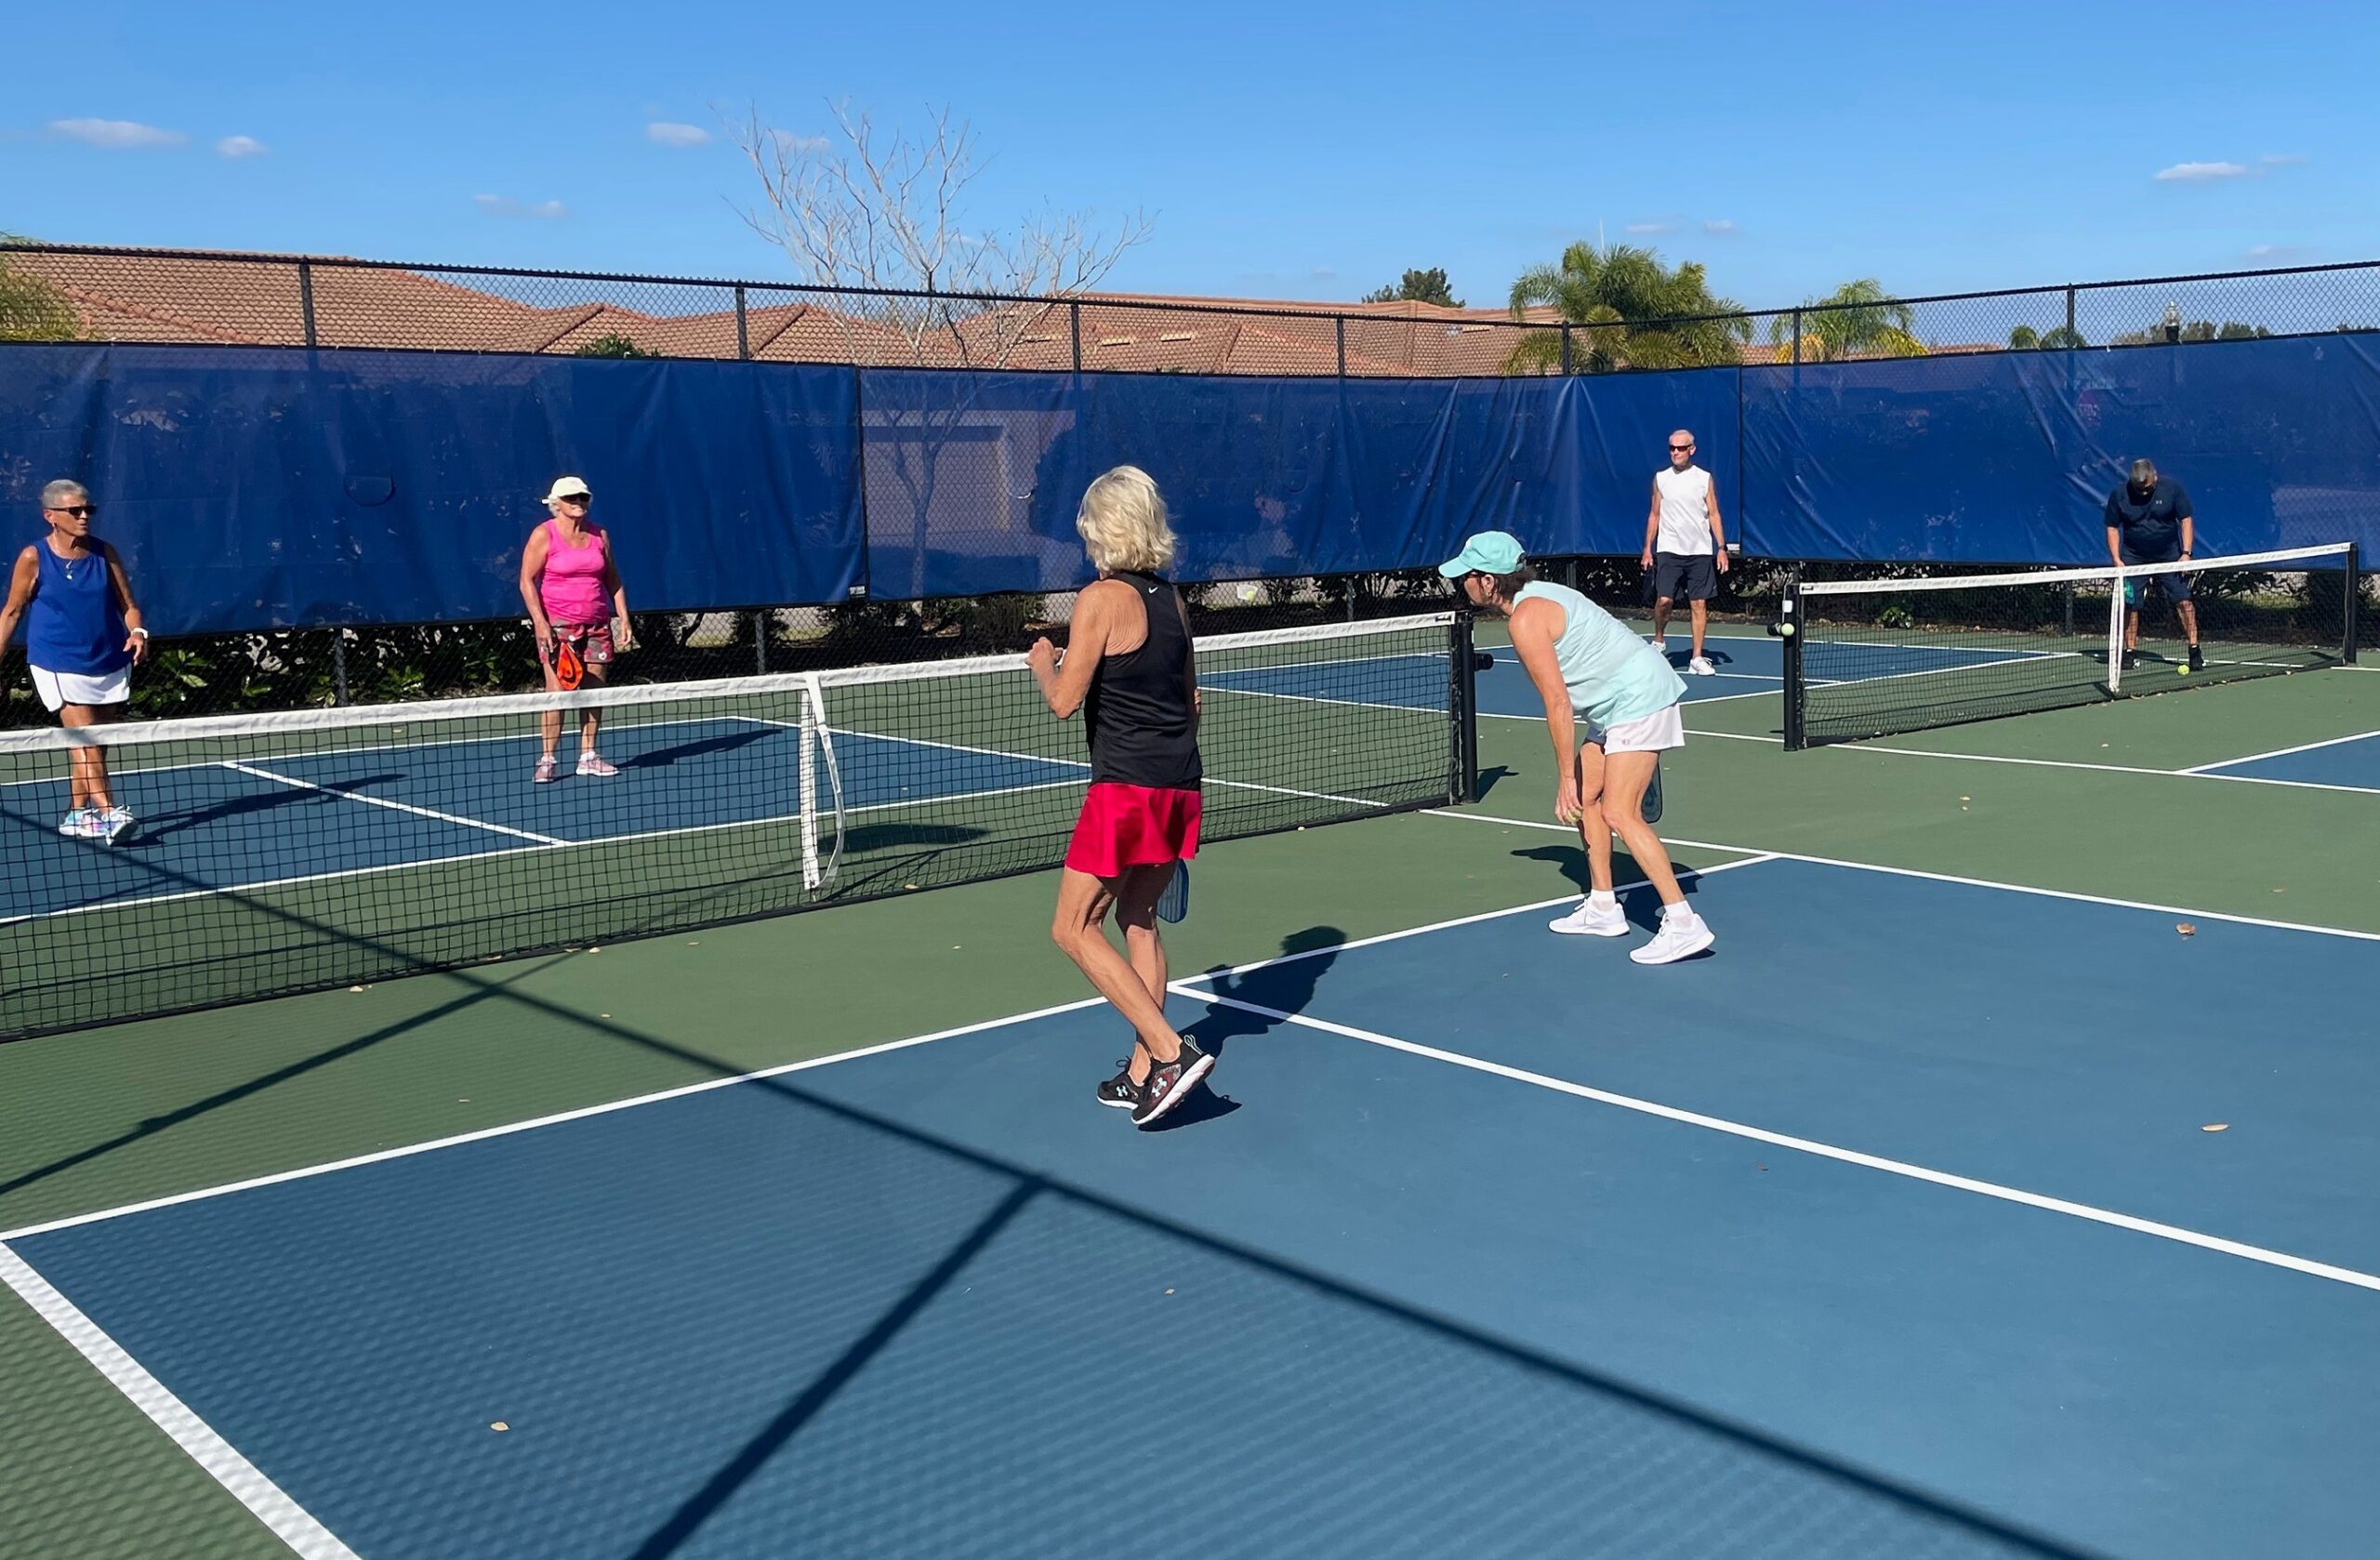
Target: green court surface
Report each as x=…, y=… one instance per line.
x=2079, y=801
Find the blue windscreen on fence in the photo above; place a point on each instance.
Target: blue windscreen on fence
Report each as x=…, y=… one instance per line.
x=255, y=488
x=974, y=478
x=252, y=488
x=2010, y=456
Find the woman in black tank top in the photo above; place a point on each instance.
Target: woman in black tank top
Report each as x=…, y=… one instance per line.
x=1128, y=668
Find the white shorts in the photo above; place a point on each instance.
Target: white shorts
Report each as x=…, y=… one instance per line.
x=59, y=688
x=1656, y=733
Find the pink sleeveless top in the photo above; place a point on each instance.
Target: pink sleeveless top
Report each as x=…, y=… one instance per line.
x=572, y=586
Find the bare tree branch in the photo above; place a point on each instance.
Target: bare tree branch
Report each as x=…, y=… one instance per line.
x=865, y=209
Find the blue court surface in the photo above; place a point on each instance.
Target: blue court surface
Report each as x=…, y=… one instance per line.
x=2351, y=763
x=1891, y=1229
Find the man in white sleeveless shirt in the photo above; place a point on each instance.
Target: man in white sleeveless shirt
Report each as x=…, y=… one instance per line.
x=1685, y=545
x=1587, y=667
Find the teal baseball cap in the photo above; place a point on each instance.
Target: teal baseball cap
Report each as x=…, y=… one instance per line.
x=1489, y=552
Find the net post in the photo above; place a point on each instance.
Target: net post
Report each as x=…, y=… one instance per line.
x=1789, y=617
x=1462, y=703
x=2354, y=584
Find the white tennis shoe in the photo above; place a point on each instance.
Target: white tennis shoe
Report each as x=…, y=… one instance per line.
x=1683, y=934
x=1588, y=920
x=1700, y=667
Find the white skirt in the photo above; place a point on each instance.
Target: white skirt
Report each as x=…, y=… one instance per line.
x=59, y=688
x=1656, y=733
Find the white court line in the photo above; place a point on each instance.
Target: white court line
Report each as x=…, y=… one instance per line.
x=2316, y=928
x=458, y=818
x=267, y=1501
x=506, y=1130
x=2282, y=752
x=2069, y=763
x=1815, y=1149
x=1334, y=949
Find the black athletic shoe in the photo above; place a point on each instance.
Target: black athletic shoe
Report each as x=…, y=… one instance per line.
x=2198, y=661
x=1170, y=1082
x=2131, y=660
x=1120, y=1090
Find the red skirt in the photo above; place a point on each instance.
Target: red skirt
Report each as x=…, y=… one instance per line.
x=1132, y=825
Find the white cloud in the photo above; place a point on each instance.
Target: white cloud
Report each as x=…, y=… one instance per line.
x=115, y=135
x=2278, y=253
x=2282, y=159
x=787, y=141
x=664, y=132
x=1721, y=227
x=1650, y=229
x=505, y=206
x=1325, y=274
x=2199, y=173
x=237, y=147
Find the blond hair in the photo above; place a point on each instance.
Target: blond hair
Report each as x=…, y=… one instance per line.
x=1122, y=523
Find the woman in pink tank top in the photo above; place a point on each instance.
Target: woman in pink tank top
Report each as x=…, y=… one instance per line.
x=574, y=597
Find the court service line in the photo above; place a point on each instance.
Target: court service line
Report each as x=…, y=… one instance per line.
x=2279, y=753
x=289, y=1522
x=1334, y=949
x=456, y=818
x=2314, y=927
x=1821, y=1150
x=2200, y=774
x=305, y=1172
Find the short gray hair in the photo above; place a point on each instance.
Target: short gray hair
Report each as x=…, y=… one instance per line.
x=64, y=491
x=2144, y=473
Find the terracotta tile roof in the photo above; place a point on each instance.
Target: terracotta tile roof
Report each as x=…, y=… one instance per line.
x=237, y=300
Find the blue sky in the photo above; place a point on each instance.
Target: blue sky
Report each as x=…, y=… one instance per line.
x=1282, y=150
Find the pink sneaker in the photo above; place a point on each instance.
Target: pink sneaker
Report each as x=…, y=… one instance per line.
x=546, y=770
x=594, y=764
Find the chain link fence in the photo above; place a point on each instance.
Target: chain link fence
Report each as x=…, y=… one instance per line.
x=73, y=293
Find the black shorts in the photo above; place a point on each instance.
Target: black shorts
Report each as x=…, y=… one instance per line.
x=1689, y=576
x=2176, y=585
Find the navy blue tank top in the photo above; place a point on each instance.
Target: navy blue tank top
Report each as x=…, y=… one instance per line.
x=74, y=624
x=1144, y=731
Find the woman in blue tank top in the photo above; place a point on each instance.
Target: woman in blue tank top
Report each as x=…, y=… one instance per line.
x=1591, y=671
x=83, y=635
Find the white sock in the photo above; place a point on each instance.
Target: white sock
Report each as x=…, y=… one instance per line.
x=1602, y=900
x=1680, y=908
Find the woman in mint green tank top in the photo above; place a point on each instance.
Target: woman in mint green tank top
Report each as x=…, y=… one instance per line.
x=1611, y=710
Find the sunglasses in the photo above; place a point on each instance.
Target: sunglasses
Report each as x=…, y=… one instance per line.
x=581, y=499
x=1680, y=449
x=83, y=510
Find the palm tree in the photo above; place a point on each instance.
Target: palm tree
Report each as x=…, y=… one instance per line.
x=32, y=308
x=1858, y=319
x=1627, y=309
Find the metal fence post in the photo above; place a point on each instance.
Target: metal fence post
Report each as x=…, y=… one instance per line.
x=761, y=640
x=1341, y=321
x=306, y=297
x=2354, y=583
x=1797, y=338
x=1565, y=347
x=1073, y=327
x=743, y=332
x=2071, y=339
x=338, y=666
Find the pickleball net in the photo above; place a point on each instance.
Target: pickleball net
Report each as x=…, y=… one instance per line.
x=294, y=850
x=1883, y=655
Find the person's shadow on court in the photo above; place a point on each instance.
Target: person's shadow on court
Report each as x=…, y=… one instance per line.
x=1254, y=1002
